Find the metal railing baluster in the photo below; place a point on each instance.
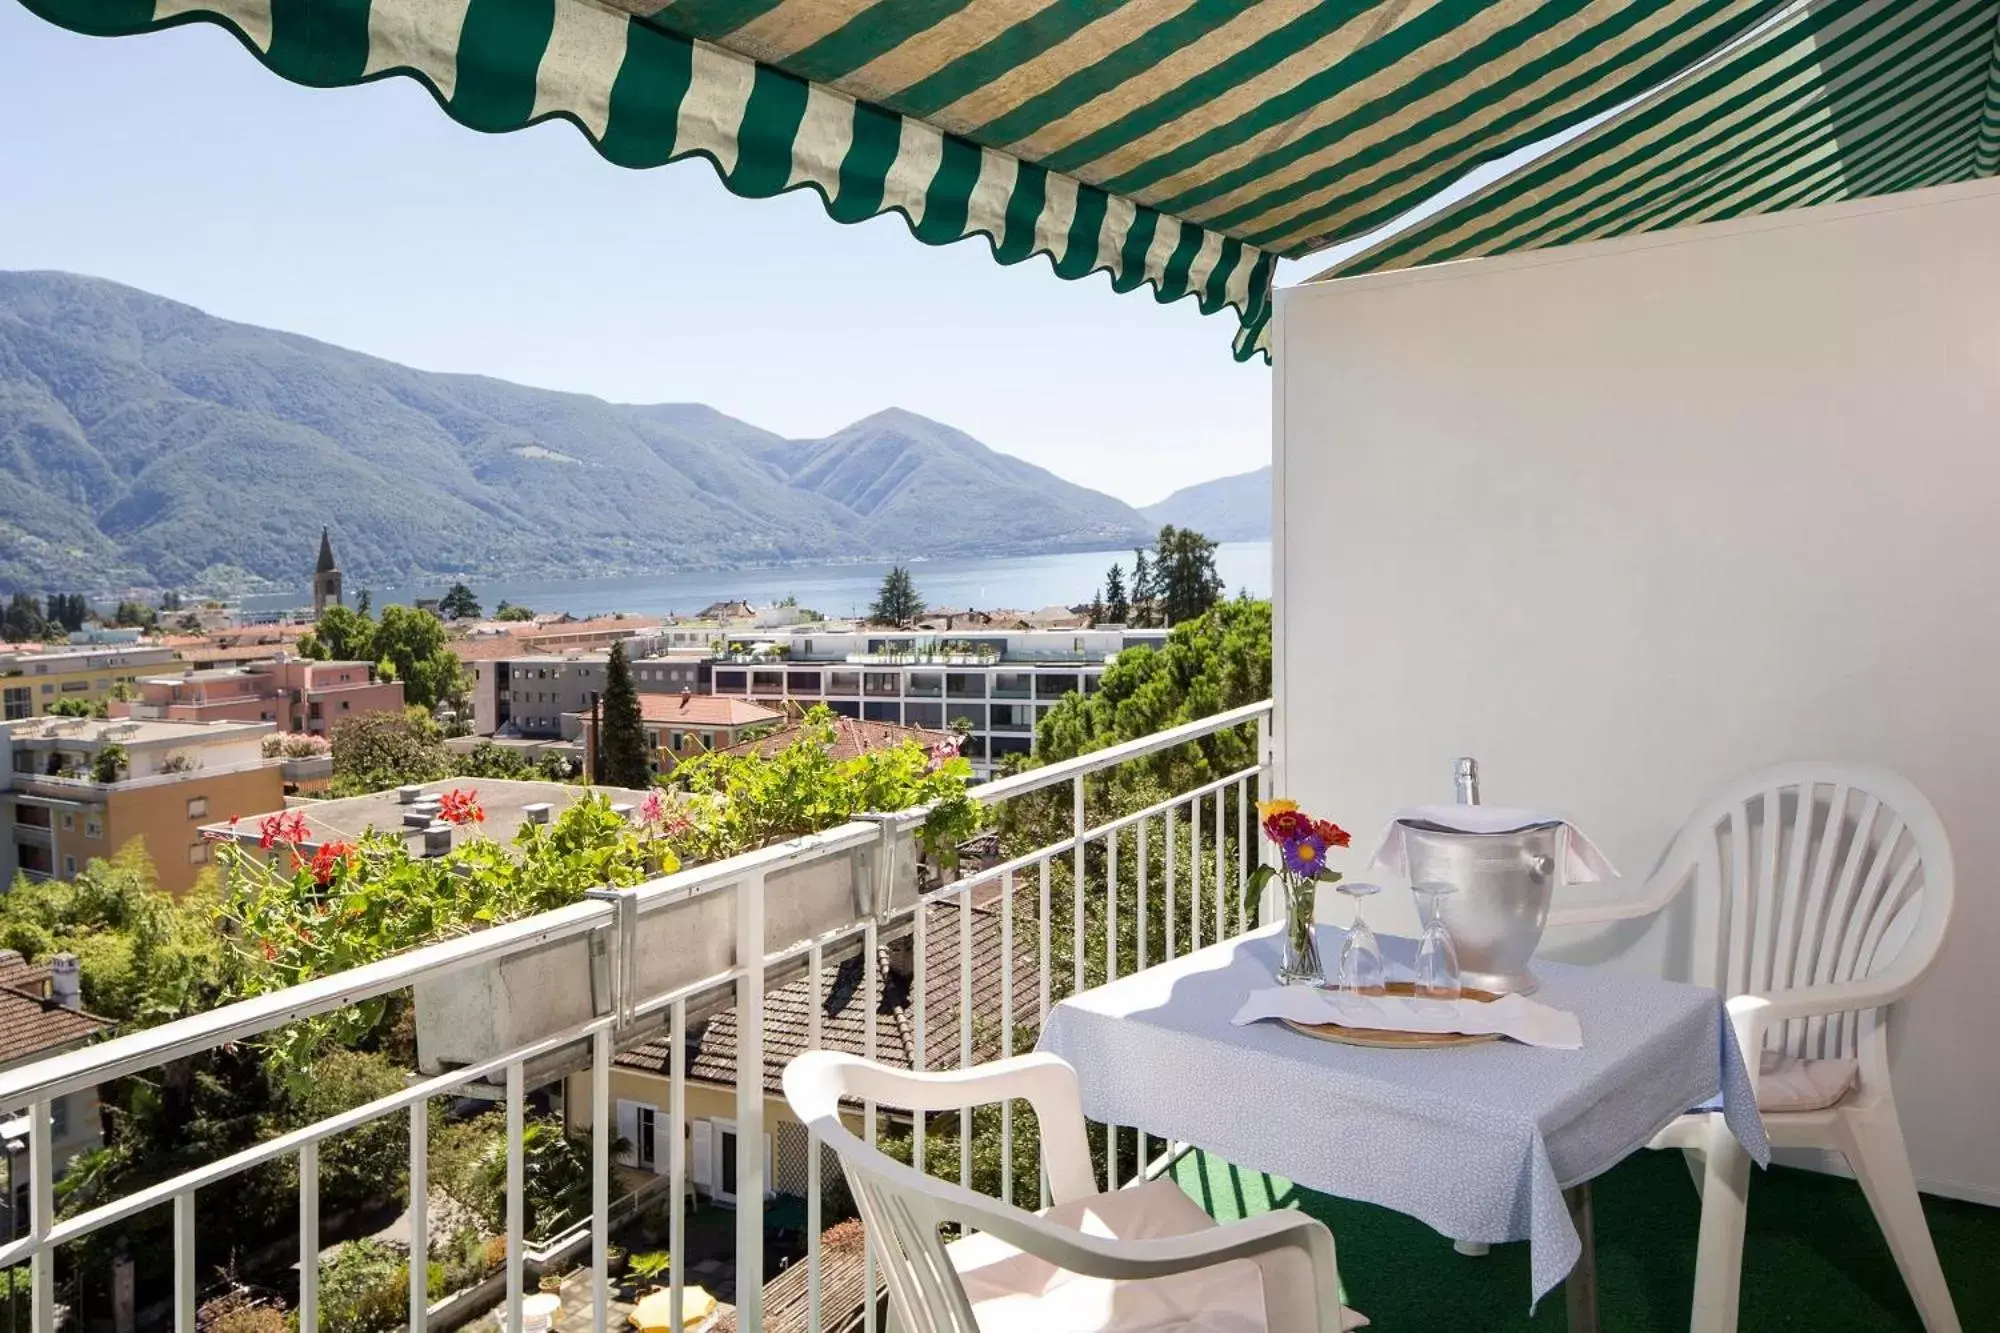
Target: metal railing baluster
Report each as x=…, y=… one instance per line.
x=517, y=1176
x=1221, y=874
x=871, y=988
x=41, y=1217
x=1242, y=855
x=1173, y=905
x=750, y=1183
x=603, y=1127
x=815, y=1040
x=677, y=1165
x=1194, y=875
x=1139, y=956
x=919, y=1029
x=185, y=1290
x=420, y=1222
x=1042, y=1015
x=1111, y=975
x=965, y=1031
x=1076, y=885
x=1006, y=1031
x=309, y=1238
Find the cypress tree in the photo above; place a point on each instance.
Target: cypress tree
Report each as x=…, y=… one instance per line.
x=1116, y=608
x=626, y=760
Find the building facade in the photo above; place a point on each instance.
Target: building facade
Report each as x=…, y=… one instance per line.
x=998, y=685
x=295, y=693
x=527, y=695
x=77, y=788
x=31, y=683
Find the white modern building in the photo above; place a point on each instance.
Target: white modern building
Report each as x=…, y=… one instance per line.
x=997, y=683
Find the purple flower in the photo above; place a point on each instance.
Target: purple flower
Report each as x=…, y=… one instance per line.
x=1305, y=855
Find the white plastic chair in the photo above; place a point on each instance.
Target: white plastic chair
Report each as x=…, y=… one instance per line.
x=1140, y=1257
x=1821, y=896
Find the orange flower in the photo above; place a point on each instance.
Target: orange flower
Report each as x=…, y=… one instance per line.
x=1331, y=833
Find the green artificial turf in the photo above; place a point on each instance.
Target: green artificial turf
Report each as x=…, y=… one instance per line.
x=1813, y=1257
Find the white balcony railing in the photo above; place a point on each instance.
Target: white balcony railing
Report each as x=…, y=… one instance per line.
x=1185, y=859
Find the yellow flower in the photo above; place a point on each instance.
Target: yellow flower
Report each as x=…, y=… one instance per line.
x=1265, y=809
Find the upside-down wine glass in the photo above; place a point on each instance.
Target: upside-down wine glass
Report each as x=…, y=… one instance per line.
x=1360, y=968
x=1437, y=957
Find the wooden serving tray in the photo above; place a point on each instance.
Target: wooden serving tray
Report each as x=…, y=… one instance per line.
x=1391, y=1039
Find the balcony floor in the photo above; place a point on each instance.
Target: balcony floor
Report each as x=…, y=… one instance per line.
x=1814, y=1258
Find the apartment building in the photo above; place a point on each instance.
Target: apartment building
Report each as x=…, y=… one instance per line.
x=30, y=683
x=526, y=694
x=682, y=726
x=296, y=693
x=77, y=788
x=42, y=1014
x=997, y=684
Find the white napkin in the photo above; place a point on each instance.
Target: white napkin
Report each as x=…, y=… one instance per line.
x=1583, y=863
x=1527, y=1021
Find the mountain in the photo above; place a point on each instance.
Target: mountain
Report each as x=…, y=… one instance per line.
x=143, y=442
x=1229, y=509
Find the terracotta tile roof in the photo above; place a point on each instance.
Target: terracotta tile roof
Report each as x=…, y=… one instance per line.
x=852, y=737
x=487, y=647
x=704, y=710
x=30, y=1022
x=844, y=1009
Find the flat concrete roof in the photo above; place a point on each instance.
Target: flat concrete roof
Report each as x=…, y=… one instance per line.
x=129, y=732
x=505, y=802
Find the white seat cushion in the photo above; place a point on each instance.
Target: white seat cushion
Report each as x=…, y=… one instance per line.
x=1013, y=1292
x=1788, y=1083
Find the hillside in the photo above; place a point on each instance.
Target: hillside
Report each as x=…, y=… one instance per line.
x=144, y=442
x=1229, y=509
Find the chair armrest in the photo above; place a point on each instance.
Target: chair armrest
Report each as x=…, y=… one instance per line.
x=1134, y=1260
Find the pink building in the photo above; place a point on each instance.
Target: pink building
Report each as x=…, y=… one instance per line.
x=296, y=693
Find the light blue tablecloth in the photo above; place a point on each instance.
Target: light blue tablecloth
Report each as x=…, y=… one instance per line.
x=1477, y=1141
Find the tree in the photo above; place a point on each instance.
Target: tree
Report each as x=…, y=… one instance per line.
x=624, y=758
x=508, y=611
x=341, y=636
x=375, y=751
x=1184, y=569
x=1116, y=608
x=23, y=619
x=897, y=602
x=135, y=615
x=413, y=642
x=1142, y=590
x=68, y=609
x=110, y=764
x=1097, y=606
x=78, y=708
x=364, y=603
x=459, y=604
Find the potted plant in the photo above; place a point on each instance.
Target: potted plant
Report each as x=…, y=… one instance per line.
x=652, y=1267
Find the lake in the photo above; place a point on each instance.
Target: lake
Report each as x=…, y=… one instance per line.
x=1019, y=582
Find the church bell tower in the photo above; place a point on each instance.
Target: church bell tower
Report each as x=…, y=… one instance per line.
x=326, y=578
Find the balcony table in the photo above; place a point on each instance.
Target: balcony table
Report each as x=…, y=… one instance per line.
x=1492, y=1142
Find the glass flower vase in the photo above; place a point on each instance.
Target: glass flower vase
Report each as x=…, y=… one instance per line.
x=1300, y=965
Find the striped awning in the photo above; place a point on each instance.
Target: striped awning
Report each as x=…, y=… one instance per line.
x=1840, y=99
x=1179, y=145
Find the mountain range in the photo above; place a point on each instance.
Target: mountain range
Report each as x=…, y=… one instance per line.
x=1229, y=509
x=145, y=443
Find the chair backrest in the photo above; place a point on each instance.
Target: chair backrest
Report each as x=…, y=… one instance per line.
x=902, y=1208
x=1814, y=874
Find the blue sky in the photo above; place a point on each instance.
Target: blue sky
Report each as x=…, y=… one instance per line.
x=174, y=162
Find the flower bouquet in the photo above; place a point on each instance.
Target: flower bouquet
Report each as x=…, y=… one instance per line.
x=1302, y=844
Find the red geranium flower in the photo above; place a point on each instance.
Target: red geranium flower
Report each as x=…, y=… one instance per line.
x=328, y=859
x=461, y=807
x=1331, y=833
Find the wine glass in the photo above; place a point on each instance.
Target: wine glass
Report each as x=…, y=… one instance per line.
x=1437, y=957
x=1360, y=968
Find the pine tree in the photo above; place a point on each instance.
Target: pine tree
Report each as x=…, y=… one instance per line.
x=459, y=603
x=1142, y=590
x=1116, y=609
x=1185, y=572
x=897, y=602
x=1097, y=606
x=624, y=758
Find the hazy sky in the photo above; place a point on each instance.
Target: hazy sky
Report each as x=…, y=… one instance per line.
x=176, y=163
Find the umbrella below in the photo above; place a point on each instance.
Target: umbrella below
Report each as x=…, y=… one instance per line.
x=654, y=1310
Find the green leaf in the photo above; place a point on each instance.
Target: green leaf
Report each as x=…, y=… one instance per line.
x=1253, y=888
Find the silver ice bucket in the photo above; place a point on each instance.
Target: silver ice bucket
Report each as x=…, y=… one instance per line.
x=1504, y=882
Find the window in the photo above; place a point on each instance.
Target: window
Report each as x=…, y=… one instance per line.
x=197, y=807
x=19, y=1223
x=843, y=682
x=93, y=827
x=59, y=1117
x=69, y=866
x=677, y=741
x=20, y=702
x=708, y=740
x=198, y=853
x=48, y=688
x=73, y=686
x=343, y=705
x=68, y=821
x=772, y=682
x=730, y=682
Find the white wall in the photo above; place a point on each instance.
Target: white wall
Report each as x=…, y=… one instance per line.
x=1628, y=519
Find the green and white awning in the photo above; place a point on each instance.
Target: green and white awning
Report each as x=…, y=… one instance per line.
x=1841, y=99
x=1181, y=145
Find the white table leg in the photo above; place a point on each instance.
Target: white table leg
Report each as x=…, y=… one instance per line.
x=1475, y=1248
x=1718, y=1262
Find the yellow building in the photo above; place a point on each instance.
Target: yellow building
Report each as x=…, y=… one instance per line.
x=78, y=788
x=30, y=683
x=641, y=1078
